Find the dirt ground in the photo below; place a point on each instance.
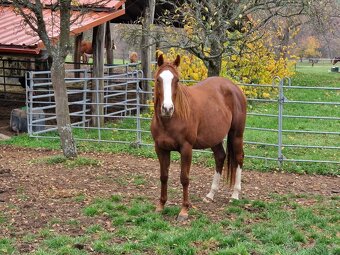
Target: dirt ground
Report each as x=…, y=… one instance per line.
x=34, y=193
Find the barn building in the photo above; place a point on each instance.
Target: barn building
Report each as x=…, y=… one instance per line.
x=21, y=49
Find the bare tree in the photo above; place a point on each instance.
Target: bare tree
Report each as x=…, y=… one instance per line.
x=54, y=32
x=215, y=28
x=321, y=20
x=324, y=21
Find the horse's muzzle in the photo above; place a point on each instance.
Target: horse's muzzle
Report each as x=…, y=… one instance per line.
x=167, y=111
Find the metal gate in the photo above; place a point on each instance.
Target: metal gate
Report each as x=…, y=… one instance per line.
x=277, y=128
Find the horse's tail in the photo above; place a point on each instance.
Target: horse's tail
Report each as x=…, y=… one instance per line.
x=231, y=162
x=235, y=152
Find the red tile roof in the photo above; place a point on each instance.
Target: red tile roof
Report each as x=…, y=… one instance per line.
x=99, y=3
x=17, y=37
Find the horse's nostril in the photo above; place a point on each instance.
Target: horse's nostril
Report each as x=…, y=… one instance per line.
x=167, y=109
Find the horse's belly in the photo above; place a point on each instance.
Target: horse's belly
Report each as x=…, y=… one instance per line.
x=207, y=140
x=212, y=133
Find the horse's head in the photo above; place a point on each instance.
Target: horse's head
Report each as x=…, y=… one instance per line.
x=166, y=84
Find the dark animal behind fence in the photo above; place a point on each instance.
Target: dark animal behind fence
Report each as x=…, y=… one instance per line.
x=197, y=117
x=336, y=60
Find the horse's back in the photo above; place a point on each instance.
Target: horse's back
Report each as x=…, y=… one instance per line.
x=86, y=47
x=220, y=106
x=219, y=90
x=216, y=83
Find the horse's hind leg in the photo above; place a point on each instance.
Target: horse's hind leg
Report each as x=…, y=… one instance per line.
x=164, y=162
x=237, y=155
x=219, y=155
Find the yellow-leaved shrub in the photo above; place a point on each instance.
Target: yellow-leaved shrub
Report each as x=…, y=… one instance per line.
x=259, y=65
x=191, y=67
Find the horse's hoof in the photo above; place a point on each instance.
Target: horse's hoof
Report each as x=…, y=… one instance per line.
x=208, y=200
x=159, y=208
x=182, y=217
x=234, y=197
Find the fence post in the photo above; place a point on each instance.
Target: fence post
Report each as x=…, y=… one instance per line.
x=280, y=119
x=139, y=133
x=29, y=101
x=98, y=111
x=126, y=94
x=84, y=97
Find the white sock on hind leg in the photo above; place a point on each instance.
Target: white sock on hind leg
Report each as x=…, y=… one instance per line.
x=237, y=186
x=214, y=186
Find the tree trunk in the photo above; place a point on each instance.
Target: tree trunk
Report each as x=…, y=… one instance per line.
x=283, y=47
x=214, y=67
x=62, y=111
x=214, y=64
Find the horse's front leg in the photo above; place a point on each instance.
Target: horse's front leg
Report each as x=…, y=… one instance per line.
x=164, y=162
x=186, y=156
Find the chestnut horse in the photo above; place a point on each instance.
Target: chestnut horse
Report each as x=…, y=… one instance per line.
x=197, y=117
x=86, y=51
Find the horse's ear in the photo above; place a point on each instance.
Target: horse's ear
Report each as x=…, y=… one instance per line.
x=160, y=60
x=177, y=60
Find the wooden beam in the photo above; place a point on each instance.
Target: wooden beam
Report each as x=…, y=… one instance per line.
x=98, y=72
x=149, y=13
x=108, y=44
x=76, y=54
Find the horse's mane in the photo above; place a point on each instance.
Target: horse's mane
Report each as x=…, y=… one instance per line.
x=182, y=106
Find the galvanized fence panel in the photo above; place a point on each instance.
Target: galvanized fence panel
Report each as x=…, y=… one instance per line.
x=323, y=124
x=127, y=120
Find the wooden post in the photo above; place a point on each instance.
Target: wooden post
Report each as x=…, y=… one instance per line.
x=98, y=72
x=76, y=54
x=146, y=47
x=108, y=44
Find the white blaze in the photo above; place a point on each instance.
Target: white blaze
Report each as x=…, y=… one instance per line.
x=214, y=186
x=167, y=77
x=237, y=186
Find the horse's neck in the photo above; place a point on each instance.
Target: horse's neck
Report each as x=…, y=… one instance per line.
x=183, y=101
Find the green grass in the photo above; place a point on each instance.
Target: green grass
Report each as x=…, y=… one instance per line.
x=2, y=219
x=6, y=246
x=318, y=75
x=286, y=224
